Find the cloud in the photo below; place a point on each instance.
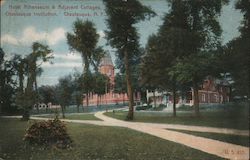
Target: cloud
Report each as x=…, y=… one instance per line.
x=56, y=36
x=30, y=34
x=62, y=65
x=101, y=33
x=69, y=57
x=9, y=39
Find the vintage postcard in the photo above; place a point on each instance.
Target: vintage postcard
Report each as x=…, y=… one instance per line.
x=124, y=79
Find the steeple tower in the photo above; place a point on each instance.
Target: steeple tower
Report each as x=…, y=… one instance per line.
x=107, y=68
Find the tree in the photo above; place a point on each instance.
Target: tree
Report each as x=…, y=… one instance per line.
x=236, y=53
x=40, y=53
x=101, y=84
x=47, y=95
x=77, y=90
x=84, y=40
x=165, y=48
x=120, y=85
x=7, y=84
x=205, y=32
x=65, y=90
x=122, y=34
x=20, y=66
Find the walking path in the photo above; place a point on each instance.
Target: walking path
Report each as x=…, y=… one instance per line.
x=215, y=147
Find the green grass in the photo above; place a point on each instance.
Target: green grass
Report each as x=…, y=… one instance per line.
x=74, y=116
x=94, y=142
x=82, y=117
x=221, y=119
x=234, y=139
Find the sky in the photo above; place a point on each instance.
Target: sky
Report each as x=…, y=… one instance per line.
x=48, y=21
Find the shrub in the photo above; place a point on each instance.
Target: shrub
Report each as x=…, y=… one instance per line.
x=48, y=133
x=159, y=108
x=185, y=108
x=138, y=108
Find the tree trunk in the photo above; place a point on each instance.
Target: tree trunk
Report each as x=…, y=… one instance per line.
x=154, y=99
x=21, y=77
x=174, y=100
x=87, y=99
x=77, y=106
x=130, y=115
x=196, y=98
x=82, y=108
x=123, y=98
x=63, y=110
x=97, y=97
x=26, y=115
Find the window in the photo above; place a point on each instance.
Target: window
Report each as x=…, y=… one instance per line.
x=216, y=98
x=203, y=97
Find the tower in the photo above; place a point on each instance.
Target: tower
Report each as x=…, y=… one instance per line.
x=107, y=68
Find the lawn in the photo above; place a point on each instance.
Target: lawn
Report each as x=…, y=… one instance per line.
x=94, y=142
x=234, y=139
x=222, y=118
x=75, y=116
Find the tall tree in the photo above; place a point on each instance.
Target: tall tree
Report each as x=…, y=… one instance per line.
x=20, y=65
x=165, y=48
x=84, y=40
x=122, y=34
x=236, y=53
x=7, y=84
x=205, y=32
x=40, y=53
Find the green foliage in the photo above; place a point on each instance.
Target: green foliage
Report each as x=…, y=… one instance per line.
x=120, y=83
x=84, y=37
x=7, y=85
x=159, y=108
x=47, y=94
x=29, y=66
x=181, y=51
x=84, y=40
x=235, y=57
x=122, y=34
x=48, y=133
x=185, y=108
x=138, y=108
x=101, y=83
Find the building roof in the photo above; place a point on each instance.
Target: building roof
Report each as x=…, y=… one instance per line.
x=106, y=60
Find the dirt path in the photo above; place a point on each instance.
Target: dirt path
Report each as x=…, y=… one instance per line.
x=215, y=147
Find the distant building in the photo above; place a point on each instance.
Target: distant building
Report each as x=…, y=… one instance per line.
x=110, y=97
x=212, y=91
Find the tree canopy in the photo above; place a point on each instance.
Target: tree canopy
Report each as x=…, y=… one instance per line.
x=123, y=35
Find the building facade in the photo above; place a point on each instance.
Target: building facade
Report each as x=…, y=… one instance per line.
x=110, y=97
x=212, y=91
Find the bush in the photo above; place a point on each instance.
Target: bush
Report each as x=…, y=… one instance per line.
x=159, y=108
x=138, y=108
x=185, y=108
x=51, y=132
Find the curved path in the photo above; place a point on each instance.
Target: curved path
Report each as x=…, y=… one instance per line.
x=215, y=147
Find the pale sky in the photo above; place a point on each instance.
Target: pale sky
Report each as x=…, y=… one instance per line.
x=19, y=31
